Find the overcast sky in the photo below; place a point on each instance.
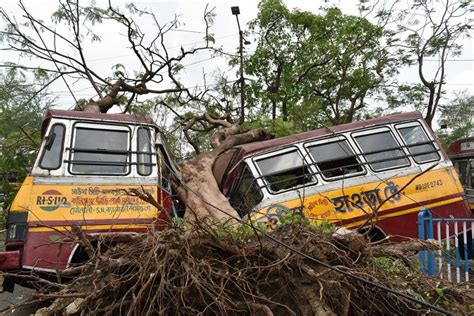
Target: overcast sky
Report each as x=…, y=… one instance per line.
x=113, y=47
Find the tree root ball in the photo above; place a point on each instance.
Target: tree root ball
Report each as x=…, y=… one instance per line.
x=229, y=271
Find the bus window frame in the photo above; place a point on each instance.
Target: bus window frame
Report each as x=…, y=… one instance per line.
x=162, y=163
x=244, y=164
x=335, y=138
x=407, y=146
x=100, y=126
x=40, y=164
x=282, y=151
x=150, y=154
x=374, y=131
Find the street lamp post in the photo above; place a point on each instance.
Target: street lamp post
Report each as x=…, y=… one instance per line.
x=236, y=12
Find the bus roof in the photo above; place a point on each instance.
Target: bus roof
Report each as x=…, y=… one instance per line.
x=461, y=148
x=228, y=162
x=248, y=149
x=104, y=117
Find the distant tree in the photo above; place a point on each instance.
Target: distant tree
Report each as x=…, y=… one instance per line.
x=427, y=30
x=21, y=108
x=458, y=116
x=315, y=69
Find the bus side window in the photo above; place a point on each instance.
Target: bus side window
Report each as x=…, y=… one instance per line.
x=335, y=158
x=382, y=151
x=245, y=193
x=53, y=150
x=144, y=152
x=418, y=144
x=285, y=171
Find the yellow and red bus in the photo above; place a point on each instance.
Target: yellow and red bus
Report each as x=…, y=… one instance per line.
x=376, y=173
x=461, y=153
x=87, y=165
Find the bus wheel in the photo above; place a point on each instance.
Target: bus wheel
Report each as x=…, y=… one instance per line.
x=79, y=257
x=373, y=233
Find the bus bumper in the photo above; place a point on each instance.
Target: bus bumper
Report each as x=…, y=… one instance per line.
x=10, y=260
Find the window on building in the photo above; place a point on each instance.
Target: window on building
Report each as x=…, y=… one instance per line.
x=100, y=151
x=285, y=171
x=418, y=144
x=335, y=159
x=245, y=194
x=382, y=151
x=53, y=151
x=144, y=153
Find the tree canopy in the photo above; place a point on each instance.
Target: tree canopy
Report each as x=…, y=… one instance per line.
x=458, y=117
x=316, y=70
x=308, y=69
x=426, y=31
x=63, y=54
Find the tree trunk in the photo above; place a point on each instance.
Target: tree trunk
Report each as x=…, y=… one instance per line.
x=198, y=189
x=430, y=110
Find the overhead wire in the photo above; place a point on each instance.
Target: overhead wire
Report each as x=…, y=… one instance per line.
x=215, y=84
x=64, y=93
x=172, y=47
x=187, y=31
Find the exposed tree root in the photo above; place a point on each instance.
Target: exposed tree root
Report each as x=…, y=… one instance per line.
x=222, y=271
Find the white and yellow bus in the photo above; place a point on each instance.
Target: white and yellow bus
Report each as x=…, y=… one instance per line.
x=87, y=166
x=376, y=173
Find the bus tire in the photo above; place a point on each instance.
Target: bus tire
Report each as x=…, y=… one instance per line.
x=373, y=233
x=79, y=256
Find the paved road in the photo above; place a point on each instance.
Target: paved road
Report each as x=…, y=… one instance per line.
x=19, y=295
